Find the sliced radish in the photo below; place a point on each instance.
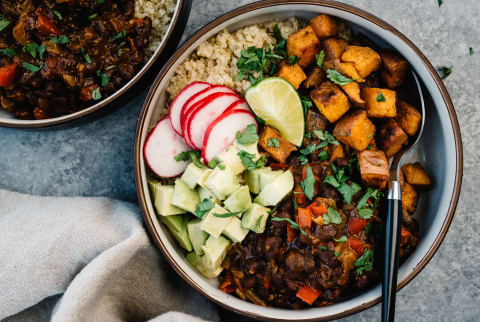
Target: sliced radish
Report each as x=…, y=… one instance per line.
x=200, y=118
x=241, y=104
x=222, y=132
x=195, y=99
x=161, y=146
x=179, y=100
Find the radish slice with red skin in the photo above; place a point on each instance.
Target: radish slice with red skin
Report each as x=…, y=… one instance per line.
x=199, y=119
x=241, y=104
x=194, y=101
x=179, y=100
x=160, y=148
x=223, y=131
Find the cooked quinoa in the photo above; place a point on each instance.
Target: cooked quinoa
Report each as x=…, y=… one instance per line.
x=161, y=12
x=215, y=60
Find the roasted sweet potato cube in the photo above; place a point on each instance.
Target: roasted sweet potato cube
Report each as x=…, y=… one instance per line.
x=330, y=101
x=373, y=168
x=315, y=121
x=346, y=69
x=365, y=59
x=305, y=45
x=379, y=102
x=409, y=197
x=352, y=90
x=292, y=73
x=335, y=151
x=408, y=118
x=355, y=130
x=315, y=78
x=391, y=138
x=372, y=145
x=334, y=48
x=415, y=175
x=284, y=148
x=324, y=26
x=394, y=69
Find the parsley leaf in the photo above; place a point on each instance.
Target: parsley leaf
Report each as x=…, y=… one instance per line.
x=273, y=143
x=203, y=207
x=444, y=71
x=319, y=59
x=293, y=224
x=333, y=216
x=338, y=78
x=364, y=262
x=4, y=22
x=250, y=135
x=227, y=214
x=342, y=239
x=247, y=160
x=308, y=185
x=96, y=95
x=380, y=97
x=31, y=48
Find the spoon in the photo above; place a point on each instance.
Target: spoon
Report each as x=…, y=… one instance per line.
x=394, y=214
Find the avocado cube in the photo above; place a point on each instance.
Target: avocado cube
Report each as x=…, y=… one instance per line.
x=197, y=263
x=231, y=158
x=192, y=174
x=212, y=224
x=162, y=195
x=203, y=177
x=251, y=148
x=267, y=177
x=255, y=218
x=252, y=178
x=235, y=231
x=206, y=194
x=240, y=200
x=275, y=191
x=215, y=251
x=177, y=225
x=196, y=235
x=222, y=182
x=184, y=197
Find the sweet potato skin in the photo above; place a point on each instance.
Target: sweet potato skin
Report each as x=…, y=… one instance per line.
x=305, y=45
x=355, y=130
x=324, y=26
x=391, y=138
x=335, y=151
x=409, y=197
x=394, y=69
x=346, y=69
x=373, y=168
x=408, y=117
x=334, y=48
x=352, y=90
x=281, y=153
x=330, y=101
x=415, y=175
x=365, y=59
x=314, y=78
x=292, y=73
x=379, y=109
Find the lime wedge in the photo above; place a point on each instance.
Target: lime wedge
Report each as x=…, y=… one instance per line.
x=278, y=103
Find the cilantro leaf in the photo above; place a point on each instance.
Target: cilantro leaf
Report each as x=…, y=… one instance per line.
x=303, y=159
x=342, y=239
x=60, y=40
x=31, y=67
x=247, y=160
x=333, y=216
x=319, y=58
x=58, y=14
x=306, y=104
x=227, y=214
x=4, y=22
x=249, y=136
x=31, y=48
x=444, y=71
x=365, y=213
x=332, y=181
x=308, y=185
x=364, y=262
x=348, y=191
x=292, y=60
x=326, y=137
x=380, y=97
x=338, y=78
x=273, y=143
x=293, y=224
x=203, y=207
x=85, y=55
x=324, y=248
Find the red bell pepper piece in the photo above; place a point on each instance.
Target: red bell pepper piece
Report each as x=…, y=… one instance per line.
x=404, y=235
x=356, y=245
x=319, y=210
x=356, y=225
x=277, y=166
x=46, y=26
x=7, y=74
x=304, y=218
x=308, y=294
x=291, y=233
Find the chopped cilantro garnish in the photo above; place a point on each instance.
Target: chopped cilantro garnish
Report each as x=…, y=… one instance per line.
x=364, y=262
x=332, y=216
x=308, y=185
x=60, y=40
x=227, y=214
x=293, y=224
x=203, y=207
x=249, y=136
x=8, y=51
x=58, y=14
x=273, y=143
x=444, y=71
x=247, y=160
x=96, y=95
x=292, y=60
x=4, y=22
x=31, y=67
x=338, y=78
x=31, y=48
x=319, y=59
x=342, y=239
x=380, y=97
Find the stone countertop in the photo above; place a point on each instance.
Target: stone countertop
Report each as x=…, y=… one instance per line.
x=95, y=159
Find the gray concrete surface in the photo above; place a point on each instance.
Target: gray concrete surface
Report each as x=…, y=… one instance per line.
x=96, y=159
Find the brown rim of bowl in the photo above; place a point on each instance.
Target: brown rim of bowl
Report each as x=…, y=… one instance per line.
x=325, y=3
x=110, y=99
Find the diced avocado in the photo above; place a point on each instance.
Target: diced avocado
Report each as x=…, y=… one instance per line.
x=240, y=200
x=184, y=197
x=206, y=194
x=212, y=224
x=235, y=231
x=196, y=235
x=192, y=174
x=177, y=224
x=251, y=148
x=276, y=190
x=252, y=178
x=197, y=263
x=203, y=177
x=267, y=177
x=255, y=218
x=161, y=196
x=215, y=251
x=222, y=182
x=230, y=157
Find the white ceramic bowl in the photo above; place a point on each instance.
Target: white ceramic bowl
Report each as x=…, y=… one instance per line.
x=440, y=149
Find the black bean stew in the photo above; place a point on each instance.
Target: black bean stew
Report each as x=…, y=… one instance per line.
x=59, y=57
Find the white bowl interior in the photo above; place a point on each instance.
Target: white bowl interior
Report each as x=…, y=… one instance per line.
x=6, y=117
x=436, y=150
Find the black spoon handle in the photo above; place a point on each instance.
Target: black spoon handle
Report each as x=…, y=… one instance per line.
x=392, y=235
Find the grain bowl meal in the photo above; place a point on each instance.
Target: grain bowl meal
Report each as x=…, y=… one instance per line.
x=59, y=57
x=271, y=165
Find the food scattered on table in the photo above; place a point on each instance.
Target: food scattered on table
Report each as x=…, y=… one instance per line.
x=271, y=167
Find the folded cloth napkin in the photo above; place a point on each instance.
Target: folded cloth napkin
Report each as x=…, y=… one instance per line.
x=91, y=259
